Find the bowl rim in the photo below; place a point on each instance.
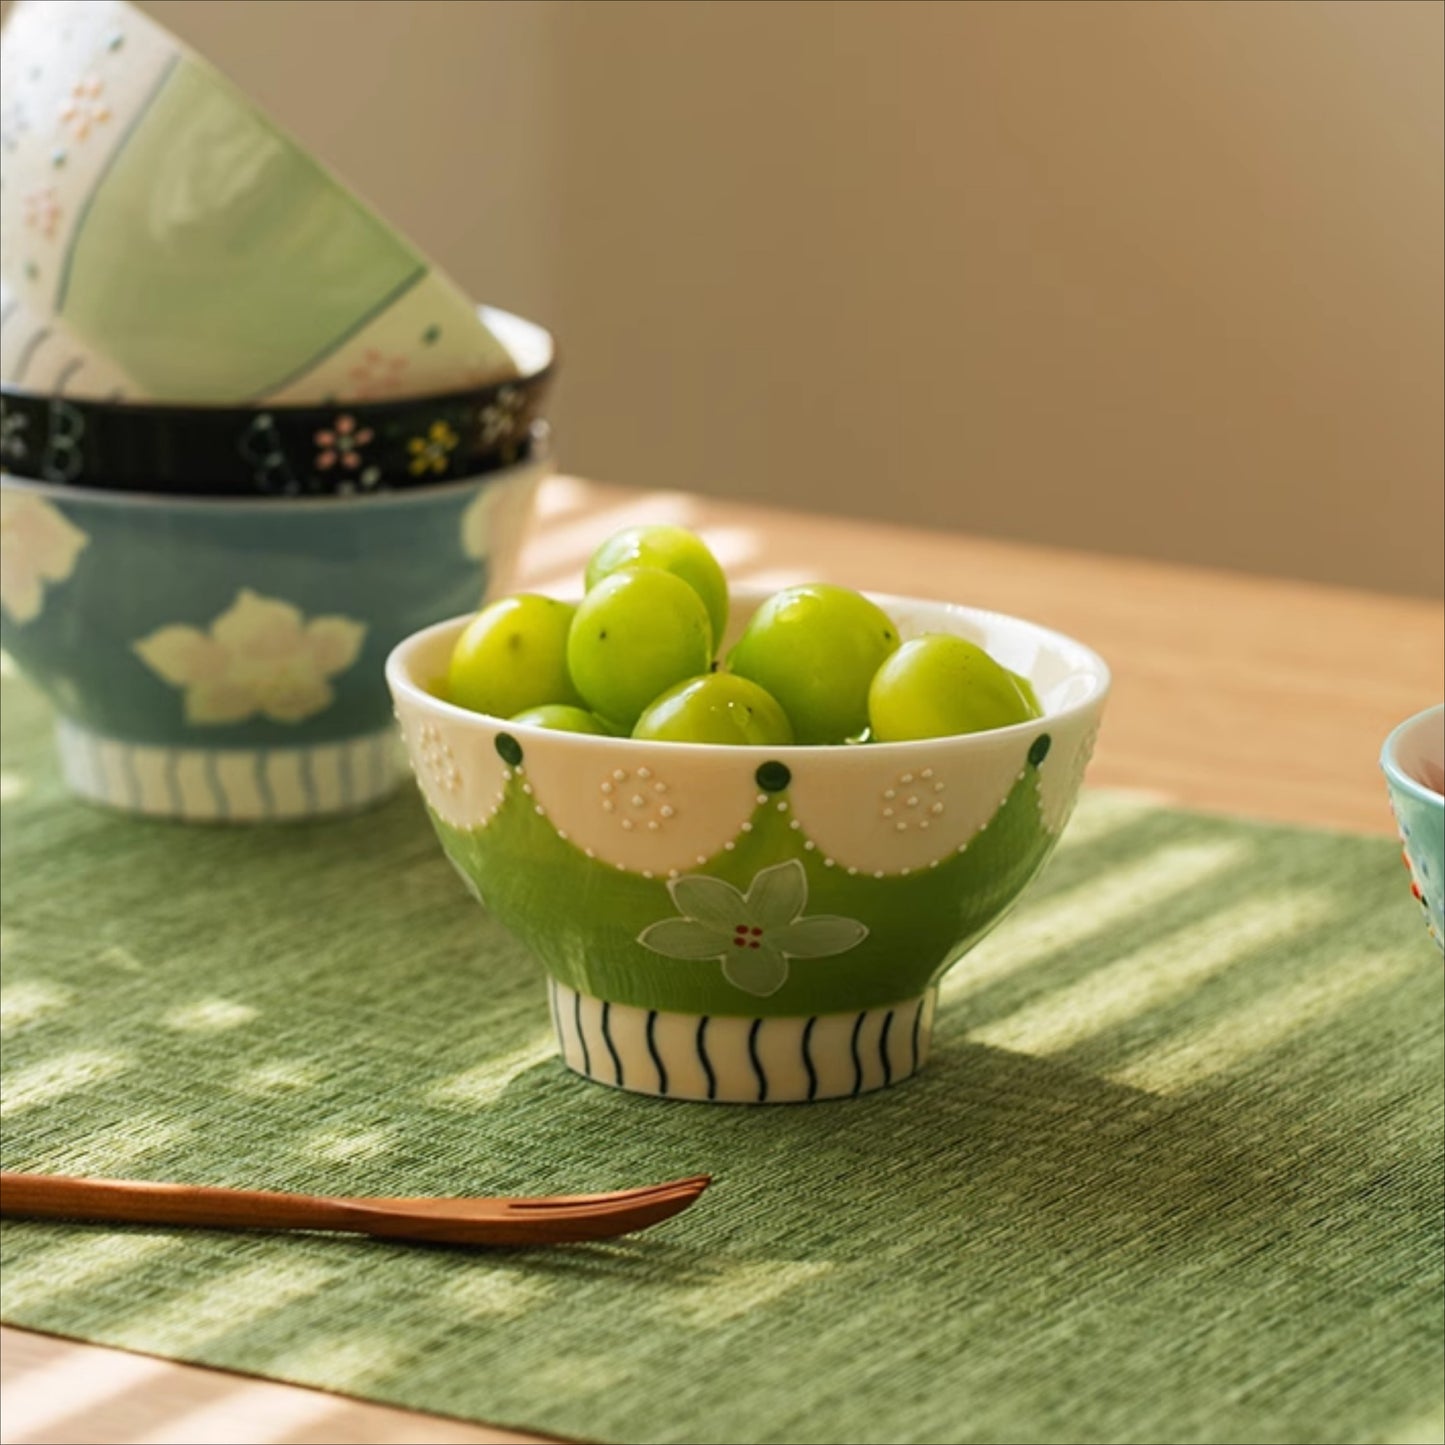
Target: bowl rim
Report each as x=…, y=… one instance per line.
x=1390, y=761
x=403, y=685
x=515, y=332
x=539, y=457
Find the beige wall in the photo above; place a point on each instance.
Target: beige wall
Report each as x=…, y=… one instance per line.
x=1145, y=277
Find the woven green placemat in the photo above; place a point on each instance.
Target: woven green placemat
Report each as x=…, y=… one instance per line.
x=1172, y=1174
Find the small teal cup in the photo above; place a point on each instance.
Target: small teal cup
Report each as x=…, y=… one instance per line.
x=1413, y=760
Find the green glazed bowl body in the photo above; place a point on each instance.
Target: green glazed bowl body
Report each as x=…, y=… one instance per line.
x=752, y=924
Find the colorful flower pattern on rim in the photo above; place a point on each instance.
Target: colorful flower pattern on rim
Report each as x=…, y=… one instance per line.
x=39, y=544
x=754, y=934
x=260, y=656
x=343, y=445
x=432, y=453
x=498, y=421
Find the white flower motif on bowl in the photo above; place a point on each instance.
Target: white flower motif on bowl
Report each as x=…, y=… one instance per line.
x=39, y=544
x=259, y=657
x=755, y=933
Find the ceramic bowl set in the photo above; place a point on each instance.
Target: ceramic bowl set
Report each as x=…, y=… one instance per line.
x=250, y=438
x=256, y=449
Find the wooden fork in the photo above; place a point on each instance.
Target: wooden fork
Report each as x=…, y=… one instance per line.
x=552, y=1219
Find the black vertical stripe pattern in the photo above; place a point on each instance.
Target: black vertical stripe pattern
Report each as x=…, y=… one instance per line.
x=652, y=1049
x=808, y=1058
x=607, y=1039
x=883, y=1049
x=703, y=1058
x=581, y=1037
x=857, y=1060
x=917, y=1025
x=756, y=1062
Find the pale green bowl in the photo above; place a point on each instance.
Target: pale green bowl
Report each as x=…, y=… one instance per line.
x=168, y=240
x=748, y=924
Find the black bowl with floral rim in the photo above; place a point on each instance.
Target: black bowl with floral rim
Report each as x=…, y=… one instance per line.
x=342, y=448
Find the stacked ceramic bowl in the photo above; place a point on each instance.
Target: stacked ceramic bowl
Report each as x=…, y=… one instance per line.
x=250, y=438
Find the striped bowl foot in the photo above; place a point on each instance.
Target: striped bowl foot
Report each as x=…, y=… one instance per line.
x=230, y=785
x=740, y=1060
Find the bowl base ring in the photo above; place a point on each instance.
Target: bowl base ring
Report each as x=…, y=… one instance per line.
x=736, y=1060
x=229, y=785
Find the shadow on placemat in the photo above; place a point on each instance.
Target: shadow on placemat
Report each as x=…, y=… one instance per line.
x=1172, y=1173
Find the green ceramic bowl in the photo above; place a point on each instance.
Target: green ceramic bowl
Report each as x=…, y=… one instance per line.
x=758, y=925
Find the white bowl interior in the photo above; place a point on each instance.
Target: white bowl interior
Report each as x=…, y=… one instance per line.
x=1416, y=750
x=529, y=345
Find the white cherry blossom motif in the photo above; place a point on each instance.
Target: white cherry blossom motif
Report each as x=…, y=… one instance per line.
x=260, y=656
x=755, y=933
x=39, y=544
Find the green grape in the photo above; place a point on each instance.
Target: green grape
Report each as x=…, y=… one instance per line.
x=675, y=550
x=1027, y=688
x=716, y=708
x=562, y=718
x=636, y=634
x=938, y=685
x=513, y=655
x=816, y=648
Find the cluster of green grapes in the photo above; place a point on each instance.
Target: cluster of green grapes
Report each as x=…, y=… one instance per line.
x=816, y=663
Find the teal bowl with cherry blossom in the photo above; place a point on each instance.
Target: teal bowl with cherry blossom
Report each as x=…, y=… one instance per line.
x=223, y=659
x=743, y=924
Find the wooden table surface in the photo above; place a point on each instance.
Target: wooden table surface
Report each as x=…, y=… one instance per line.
x=1237, y=694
